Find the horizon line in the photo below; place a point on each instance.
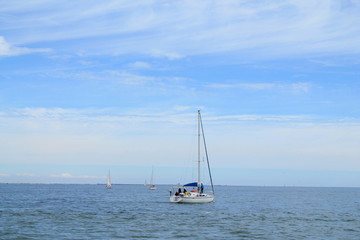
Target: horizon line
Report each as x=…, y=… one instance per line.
x=165, y=184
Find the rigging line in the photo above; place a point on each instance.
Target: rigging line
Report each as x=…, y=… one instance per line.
x=207, y=158
x=199, y=120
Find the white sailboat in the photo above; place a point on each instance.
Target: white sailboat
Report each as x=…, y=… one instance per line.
x=145, y=183
x=108, y=184
x=196, y=194
x=152, y=185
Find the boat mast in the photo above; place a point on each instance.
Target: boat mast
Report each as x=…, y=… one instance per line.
x=152, y=175
x=199, y=183
x=207, y=156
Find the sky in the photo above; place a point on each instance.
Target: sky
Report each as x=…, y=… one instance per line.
x=91, y=86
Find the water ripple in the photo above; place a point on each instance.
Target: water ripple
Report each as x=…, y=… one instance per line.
x=92, y=212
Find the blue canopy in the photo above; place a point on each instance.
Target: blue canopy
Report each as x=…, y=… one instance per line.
x=193, y=184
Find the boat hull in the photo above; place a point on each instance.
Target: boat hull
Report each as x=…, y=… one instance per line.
x=192, y=199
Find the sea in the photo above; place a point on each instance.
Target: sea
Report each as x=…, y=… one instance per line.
x=66, y=211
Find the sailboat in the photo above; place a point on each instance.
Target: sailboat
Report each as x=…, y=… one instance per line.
x=145, y=183
x=152, y=185
x=108, y=184
x=196, y=194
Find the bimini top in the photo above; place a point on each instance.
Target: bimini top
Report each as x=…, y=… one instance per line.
x=193, y=184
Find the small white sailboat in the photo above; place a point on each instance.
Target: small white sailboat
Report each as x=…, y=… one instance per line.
x=181, y=194
x=108, y=184
x=145, y=183
x=152, y=185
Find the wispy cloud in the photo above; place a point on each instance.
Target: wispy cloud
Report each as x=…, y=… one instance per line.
x=43, y=112
x=180, y=114
x=183, y=108
x=178, y=29
x=297, y=87
x=249, y=86
x=123, y=77
x=140, y=65
x=7, y=49
x=285, y=118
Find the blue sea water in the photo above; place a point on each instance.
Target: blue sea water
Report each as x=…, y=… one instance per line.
x=65, y=211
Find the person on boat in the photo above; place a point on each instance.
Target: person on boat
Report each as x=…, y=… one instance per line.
x=202, y=189
x=185, y=192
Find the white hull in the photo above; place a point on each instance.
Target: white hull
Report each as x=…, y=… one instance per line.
x=206, y=198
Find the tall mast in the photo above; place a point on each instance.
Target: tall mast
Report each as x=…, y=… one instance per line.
x=108, y=180
x=152, y=175
x=207, y=157
x=199, y=183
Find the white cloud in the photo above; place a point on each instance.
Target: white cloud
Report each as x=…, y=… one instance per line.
x=7, y=50
x=310, y=146
x=170, y=54
x=68, y=175
x=26, y=175
x=139, y=138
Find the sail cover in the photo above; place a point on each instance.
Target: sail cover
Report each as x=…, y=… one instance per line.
x=193, y=184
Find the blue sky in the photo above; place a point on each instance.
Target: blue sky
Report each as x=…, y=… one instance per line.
x=89, y=86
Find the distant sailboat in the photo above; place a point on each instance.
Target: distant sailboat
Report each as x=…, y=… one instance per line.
x=145, y=183
x=108, y=184
x=152, y=185
x=196, y=195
